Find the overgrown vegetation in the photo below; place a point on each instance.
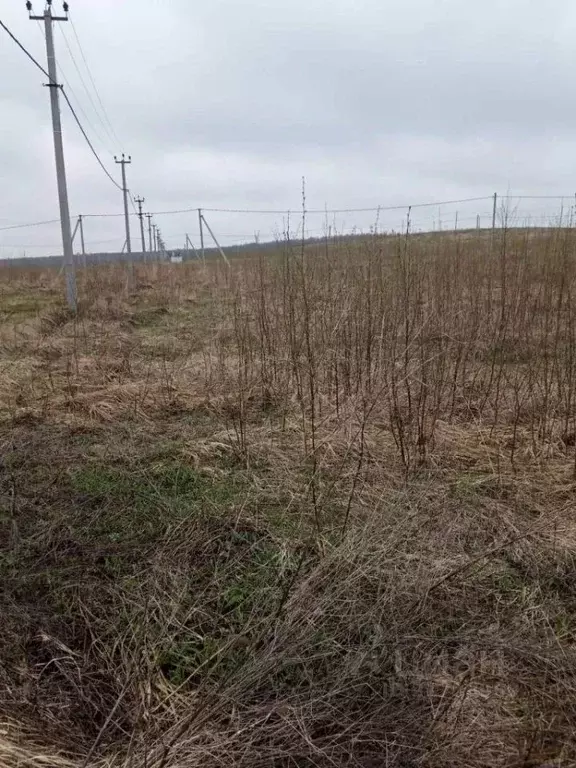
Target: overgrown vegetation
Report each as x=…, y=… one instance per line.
x=315, y=509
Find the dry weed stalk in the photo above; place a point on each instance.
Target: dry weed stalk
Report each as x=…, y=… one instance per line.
x=392, y=585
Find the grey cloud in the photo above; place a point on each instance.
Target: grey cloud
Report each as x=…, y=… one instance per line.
x=224, y=105
x=283, y=84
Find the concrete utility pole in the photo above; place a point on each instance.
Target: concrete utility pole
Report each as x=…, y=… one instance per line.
x=80, y=226
x=139, y=201
x=149, y=217
x=124, y=162
x=69, y=266
x=161, y=243
x=494, y=209
x=155, y=237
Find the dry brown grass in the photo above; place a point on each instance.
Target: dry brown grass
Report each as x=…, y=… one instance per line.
x=316, y=509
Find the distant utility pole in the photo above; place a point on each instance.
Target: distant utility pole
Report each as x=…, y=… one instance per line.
x=155, y=237
x=494, y=209
x=161, y=243
x=124, y=162
x=149, y=217
x=139, y=201
x=69, y=267
x=80, y=226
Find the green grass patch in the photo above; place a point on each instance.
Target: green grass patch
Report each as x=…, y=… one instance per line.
x=241, y=596
x=141, y=503
x=20, y=306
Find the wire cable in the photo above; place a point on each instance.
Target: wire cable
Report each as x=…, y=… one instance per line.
x=104, y=215
x=88, y=94
x=322, y=211
x=19, y=44
x=96, y=155
x=63, y=75
x=482, y=214
x=79, y=104
x=535, y=197
x=339, y=210
x=96, y=91
x=75, y=116
x=34, y=224
x=133, y=204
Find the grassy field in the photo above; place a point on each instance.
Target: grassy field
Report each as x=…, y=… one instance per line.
x=316, y=509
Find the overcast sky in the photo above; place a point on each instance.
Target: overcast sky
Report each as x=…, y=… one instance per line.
x=227, y=105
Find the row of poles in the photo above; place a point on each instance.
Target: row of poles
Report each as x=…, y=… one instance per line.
x=155, y=241
x=494, y=216
x=156, y=244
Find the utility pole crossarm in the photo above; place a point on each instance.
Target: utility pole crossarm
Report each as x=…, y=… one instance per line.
x=65, y=8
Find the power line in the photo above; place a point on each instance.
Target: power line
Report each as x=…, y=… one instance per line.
x=69, y=86
x=90, y=99
x=285, y=211
x=317, y=211
x=536, y=197
x=104, y=215
x=19, y=44
x=232, y=210
x=63, y=75
x=75, y=116
x=349, y=210
x=104, y=111
x=338, y=210
x=34, y=224
x=133, y=204
x=96, y=155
